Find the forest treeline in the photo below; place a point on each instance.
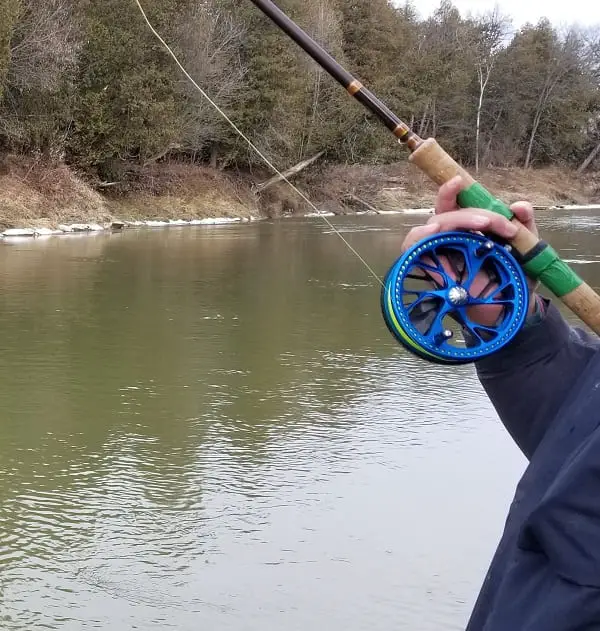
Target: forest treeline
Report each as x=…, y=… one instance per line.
x=86, y=83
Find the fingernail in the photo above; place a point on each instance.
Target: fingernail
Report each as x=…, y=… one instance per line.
x=430, y=228
x=521, y=206
x=511, y=230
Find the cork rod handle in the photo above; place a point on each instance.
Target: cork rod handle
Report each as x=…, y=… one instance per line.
x=540, y=261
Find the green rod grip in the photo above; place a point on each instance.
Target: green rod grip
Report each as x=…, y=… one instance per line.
x=476, y=196
x=552, y=272
x=542, y=263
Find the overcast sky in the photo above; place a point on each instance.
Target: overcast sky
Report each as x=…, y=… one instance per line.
x=559, y=12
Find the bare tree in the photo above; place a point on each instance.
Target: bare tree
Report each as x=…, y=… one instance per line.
x=208, y=39
x=491, y=33
x=9, y=12
x=591, y=38
x=591, y=59
x=44, y=45
x=446, y=59
x=324, y=26
x=564, y=60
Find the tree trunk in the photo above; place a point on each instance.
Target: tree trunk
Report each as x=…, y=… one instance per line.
x=424, y=123
x=162, y=154
x=586, y=163
x=536, y=123
x=483, y=81
x=549, y=86
x=316, y=90
x=486, y=153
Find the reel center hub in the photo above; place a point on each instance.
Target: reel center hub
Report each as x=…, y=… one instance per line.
x=458, y=296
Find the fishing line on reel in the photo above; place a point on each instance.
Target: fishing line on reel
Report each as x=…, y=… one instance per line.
x=439, y=324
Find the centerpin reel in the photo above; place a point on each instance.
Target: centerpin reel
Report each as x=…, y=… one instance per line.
x=433, y=296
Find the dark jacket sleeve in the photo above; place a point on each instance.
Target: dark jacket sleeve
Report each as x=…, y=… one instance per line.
x=552, y=580
x=528, y=380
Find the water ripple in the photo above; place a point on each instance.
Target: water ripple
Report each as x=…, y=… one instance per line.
x=218, y=435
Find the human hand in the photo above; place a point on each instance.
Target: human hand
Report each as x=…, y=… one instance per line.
x=448, y=217
x=446, y=202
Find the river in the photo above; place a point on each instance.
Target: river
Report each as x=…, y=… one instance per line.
x=211, y=428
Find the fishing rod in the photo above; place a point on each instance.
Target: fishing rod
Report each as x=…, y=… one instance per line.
x=419, y=322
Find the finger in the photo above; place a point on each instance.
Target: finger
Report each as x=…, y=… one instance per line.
x=446, y=197
x=418, y=233
x=523, y=211
x=474, y=219
x=478, y=220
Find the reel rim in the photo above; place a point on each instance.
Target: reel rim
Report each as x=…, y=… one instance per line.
x=403, y=329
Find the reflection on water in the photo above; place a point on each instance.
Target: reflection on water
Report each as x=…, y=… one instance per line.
x=212, y=426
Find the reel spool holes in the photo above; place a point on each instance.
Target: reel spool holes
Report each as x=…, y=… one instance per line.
x=455, y=298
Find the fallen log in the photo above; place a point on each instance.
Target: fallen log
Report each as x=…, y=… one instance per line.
x=354, y=198
x=287, y=174
x=589, y=159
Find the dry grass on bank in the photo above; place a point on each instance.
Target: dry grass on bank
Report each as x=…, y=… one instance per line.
x=392, y=187
x=178, y=191
x=33, y=194
x=36, y=195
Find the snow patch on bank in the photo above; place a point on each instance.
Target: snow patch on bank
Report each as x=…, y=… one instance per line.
x=402, y=211
x=92, y=228
x=64, y=229
x=570, y=207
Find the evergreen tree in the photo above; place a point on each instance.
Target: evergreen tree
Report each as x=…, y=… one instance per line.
x=87, y=82
x=127, y=108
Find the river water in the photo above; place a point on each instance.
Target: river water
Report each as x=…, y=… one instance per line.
x=210, y=428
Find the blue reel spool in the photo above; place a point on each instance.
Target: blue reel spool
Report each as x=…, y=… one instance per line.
x=428, y=298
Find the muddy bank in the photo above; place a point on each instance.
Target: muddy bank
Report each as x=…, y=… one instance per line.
x=403, y=186
x=36, y=195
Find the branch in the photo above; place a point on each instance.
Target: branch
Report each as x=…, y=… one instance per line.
x=586, y=163
x=162, y=154
x=287, y=174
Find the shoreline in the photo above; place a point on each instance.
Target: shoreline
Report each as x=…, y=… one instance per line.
x=40, y=199
x=118, y=226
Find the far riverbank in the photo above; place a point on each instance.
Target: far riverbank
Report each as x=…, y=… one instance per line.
x=52, y=198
